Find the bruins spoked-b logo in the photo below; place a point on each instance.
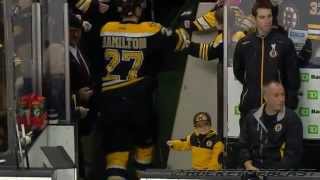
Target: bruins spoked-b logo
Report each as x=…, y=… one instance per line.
x=278, y=127
x=273, y=52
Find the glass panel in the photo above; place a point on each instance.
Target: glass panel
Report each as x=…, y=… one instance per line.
x=22, y=28
x=3, y=87
x=26, y=62
x=53, y=57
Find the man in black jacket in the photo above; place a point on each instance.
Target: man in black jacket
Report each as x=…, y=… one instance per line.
x=82, y=88
x=263, y=56
x=271, y=137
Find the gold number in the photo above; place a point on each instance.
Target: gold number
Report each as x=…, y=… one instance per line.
x=115, y=57
x=137, y=57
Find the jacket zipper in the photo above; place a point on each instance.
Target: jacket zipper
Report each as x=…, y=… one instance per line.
x=262, y=71
x=261, y=145
x=244, y=95
x=246, y=88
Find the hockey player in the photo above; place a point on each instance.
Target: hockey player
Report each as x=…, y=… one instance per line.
x=204, y=143
x=208, y=21
x=127, y=86
x=214, y=49
x=213, y=20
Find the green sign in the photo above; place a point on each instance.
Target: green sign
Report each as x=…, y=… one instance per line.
x=313, y=129
x=313, y=94
x=236, y=110
x=304, y=77
x=304, y=112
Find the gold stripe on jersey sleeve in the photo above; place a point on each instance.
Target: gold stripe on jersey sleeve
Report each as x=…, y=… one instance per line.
x=200, y=50
x=203, y=50
x=197, y=24
x=120, y=85
x=84, y=5
x=211, y=19
x=133, y=30
x=180, y=40
x=79, y=3
x=203, y=23
x=218, y=40
x=237, y=36
x=206, y=53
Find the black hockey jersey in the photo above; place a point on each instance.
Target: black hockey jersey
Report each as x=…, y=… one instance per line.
x=208, y=51
x=127, y=50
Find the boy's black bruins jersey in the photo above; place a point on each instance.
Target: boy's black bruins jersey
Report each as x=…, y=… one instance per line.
x=127, y=49
x=206, y=149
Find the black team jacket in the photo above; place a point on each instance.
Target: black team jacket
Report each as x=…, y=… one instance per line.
x=262, y=59
x=273, y=143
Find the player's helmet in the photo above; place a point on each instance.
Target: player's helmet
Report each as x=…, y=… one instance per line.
x=201, y=116
x=127, y=7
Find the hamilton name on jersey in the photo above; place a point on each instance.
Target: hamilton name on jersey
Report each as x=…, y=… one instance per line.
x=124, y=42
